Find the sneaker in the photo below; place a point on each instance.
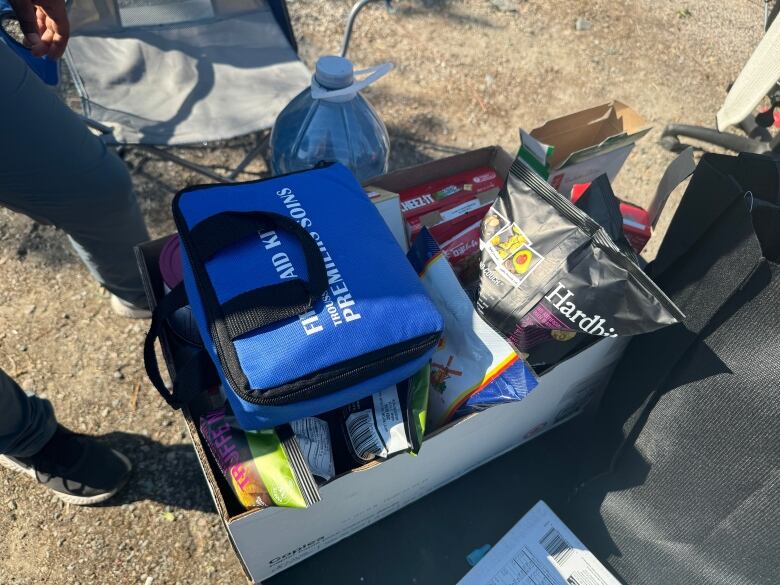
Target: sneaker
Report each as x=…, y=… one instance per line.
x=77, y=468
x=128, y=310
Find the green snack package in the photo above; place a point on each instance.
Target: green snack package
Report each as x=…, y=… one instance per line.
x=419, y=384
x=263, y=468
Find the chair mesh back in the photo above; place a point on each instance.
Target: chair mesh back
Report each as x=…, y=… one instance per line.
x=88, y=16
x=204, y=70
x=95, y=16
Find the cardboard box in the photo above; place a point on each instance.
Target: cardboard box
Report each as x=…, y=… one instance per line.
x=579, y=147
x=444, y=220
x=268, y=541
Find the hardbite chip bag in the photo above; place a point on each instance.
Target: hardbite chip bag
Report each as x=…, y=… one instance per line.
x=552, y=278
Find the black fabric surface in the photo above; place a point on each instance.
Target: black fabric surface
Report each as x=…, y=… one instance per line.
x=694, y=499
x=685, y=466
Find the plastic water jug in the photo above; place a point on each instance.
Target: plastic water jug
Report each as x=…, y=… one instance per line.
x=330, y=121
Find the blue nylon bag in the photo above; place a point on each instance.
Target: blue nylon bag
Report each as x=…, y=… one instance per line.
x=303, y=298
x=43, y=67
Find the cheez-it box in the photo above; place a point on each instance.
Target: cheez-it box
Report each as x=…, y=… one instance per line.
x=445, y=199
x=449, y=197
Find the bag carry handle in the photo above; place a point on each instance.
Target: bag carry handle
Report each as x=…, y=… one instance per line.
x=196, y=374
x=263, y=306
x=678, y=170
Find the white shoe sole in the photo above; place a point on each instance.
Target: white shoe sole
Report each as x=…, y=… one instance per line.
x=123, y=309
x=68, y=498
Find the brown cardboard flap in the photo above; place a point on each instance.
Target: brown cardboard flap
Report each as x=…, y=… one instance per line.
x=576, y=135
x=377, y=194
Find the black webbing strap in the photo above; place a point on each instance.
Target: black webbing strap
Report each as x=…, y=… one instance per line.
x=193, y=376
x=710, y=193
x=262, y=306
x=678, y=170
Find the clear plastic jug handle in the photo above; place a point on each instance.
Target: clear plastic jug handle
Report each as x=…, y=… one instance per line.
x=372, y=74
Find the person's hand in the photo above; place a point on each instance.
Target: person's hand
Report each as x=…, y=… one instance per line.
x=44, y=24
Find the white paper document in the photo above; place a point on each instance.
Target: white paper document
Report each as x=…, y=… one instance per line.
x=539, y=550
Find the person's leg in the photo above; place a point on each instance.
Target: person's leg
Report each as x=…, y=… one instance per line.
x=26, y=422
x=55, y=170
x=77, y=468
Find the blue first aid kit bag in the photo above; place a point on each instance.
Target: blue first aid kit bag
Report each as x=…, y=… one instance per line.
x=303, y=298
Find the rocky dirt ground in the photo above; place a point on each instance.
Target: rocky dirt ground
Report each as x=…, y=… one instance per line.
x=468, y=74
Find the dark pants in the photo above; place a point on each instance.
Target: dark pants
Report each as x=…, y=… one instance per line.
x=26, y=422
x=55, y=170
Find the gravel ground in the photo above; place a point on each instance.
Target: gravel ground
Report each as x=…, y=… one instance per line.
x=468, y=74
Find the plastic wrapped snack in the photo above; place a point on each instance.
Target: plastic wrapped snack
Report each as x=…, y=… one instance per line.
x=268, y=468
x=473, y=367
x=552, y=279
x=388, y=422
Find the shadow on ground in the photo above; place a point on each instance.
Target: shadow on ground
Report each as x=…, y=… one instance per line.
x=442, y=9
x=167, y=474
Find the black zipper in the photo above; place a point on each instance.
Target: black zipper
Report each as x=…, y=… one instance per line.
x=346, y=373
x=338, y=376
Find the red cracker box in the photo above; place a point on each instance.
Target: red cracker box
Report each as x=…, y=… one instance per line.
x=636, y=225
x=459, y=239
x=446, y=193
x=443, y=231
x=448, y=221
x=463, y=246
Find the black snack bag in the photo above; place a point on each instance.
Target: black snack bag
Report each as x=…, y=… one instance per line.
x=600, y=203
x=552, y=279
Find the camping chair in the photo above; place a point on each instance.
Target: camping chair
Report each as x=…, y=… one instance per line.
x=153, y=74
x=157, y=74
x=759, y=78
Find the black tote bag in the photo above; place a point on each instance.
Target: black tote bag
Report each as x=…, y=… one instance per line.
x=684, y=474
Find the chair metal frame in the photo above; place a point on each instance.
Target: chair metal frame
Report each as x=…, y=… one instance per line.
x=757, y=138
x=106, y=134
